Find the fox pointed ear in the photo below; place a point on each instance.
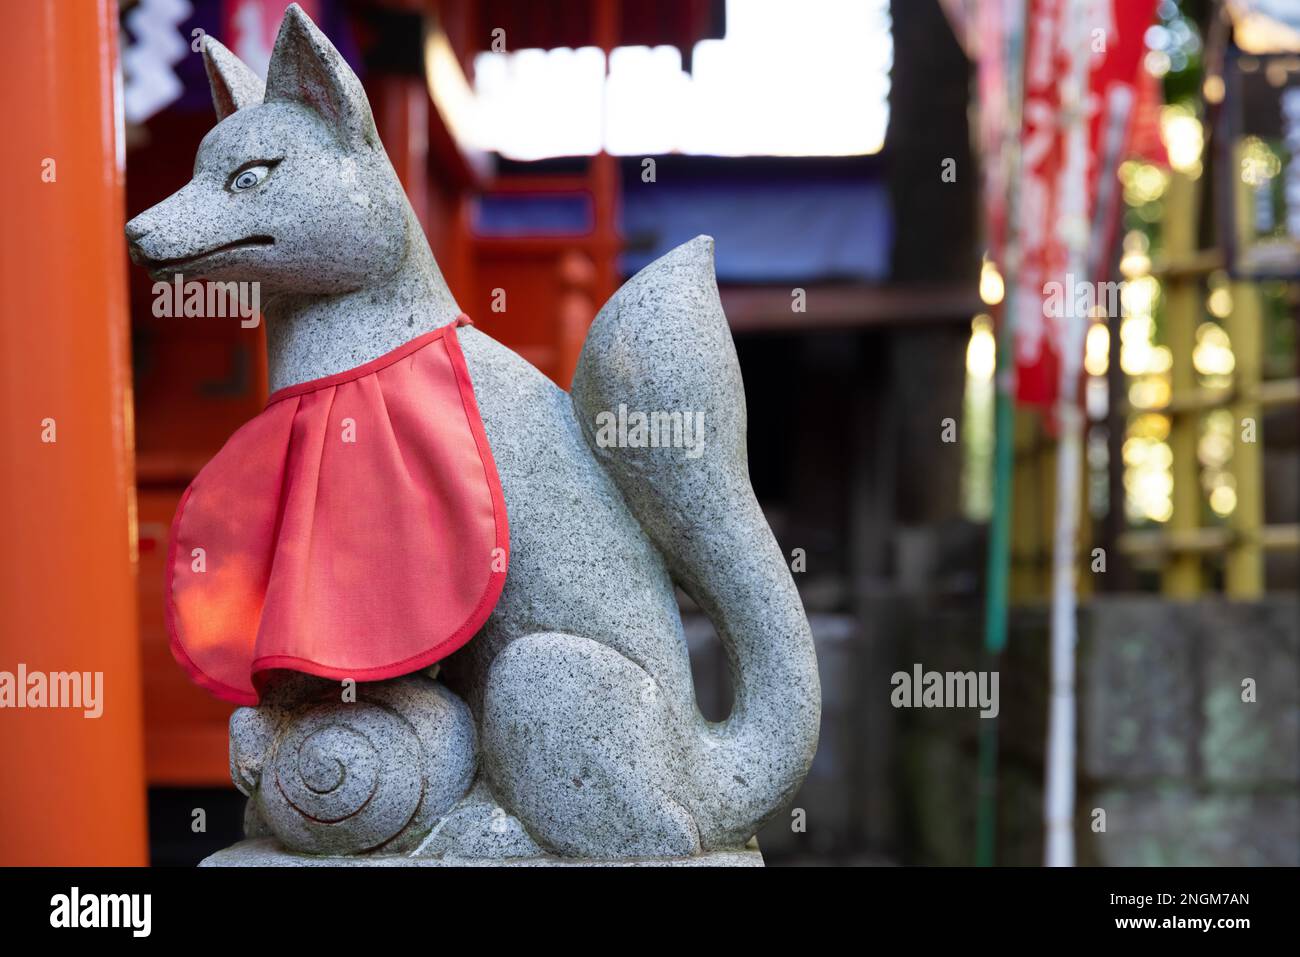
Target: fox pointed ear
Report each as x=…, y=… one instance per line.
x=234, y=85
x=306, y=68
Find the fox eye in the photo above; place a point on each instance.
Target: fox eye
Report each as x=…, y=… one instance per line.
x=247, y=179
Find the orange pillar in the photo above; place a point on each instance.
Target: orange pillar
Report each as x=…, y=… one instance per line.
x=73, y=787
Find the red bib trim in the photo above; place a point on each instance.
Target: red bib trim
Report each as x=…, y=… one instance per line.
x=354, y=529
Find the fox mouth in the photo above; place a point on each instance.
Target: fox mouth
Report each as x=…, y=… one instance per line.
x=156, y=264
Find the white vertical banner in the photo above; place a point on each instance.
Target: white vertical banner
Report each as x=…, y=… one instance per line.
x=1072, y=225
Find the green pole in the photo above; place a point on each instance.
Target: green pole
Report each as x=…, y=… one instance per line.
x=999, y=555
x=995, y=601
x=999, y=558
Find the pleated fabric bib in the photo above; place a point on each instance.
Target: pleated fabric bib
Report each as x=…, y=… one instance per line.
x=353, y=529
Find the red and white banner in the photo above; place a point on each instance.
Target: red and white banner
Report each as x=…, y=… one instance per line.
x=1112, y=37
x=1042, y=254
x=1117, y=85
x=990, y=37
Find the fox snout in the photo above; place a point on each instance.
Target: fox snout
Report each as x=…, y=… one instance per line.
x=155, y=237
x=176, y=236
x=136, y=230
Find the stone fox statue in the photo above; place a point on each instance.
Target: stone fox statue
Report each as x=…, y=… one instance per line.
x=567, y=727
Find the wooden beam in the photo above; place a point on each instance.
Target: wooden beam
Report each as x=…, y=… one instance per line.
x=1244, y=568
x=1182, y=574
x=847, y=305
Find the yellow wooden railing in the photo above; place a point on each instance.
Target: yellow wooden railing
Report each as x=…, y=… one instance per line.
x=1183, y=542
x=1180, y=545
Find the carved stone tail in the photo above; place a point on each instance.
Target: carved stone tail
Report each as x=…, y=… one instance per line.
x=327, y=776
x=661, y=347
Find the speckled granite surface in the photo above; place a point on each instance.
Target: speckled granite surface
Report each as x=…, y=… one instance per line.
x=265, y=852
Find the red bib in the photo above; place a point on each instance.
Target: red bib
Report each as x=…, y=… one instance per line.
x=354, y=529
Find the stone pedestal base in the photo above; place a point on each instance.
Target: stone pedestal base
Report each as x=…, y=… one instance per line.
x=265, y=852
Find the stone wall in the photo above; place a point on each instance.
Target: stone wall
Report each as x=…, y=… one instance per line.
x=1186, y=772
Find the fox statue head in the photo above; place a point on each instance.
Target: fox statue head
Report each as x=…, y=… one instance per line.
x=291, y=188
